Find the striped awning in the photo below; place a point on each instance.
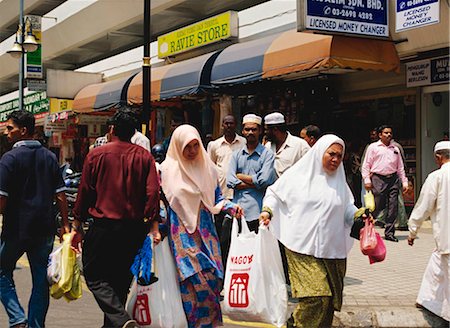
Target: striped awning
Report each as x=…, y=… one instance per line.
x=187, y=77
x=102, y=96
x=301, y=53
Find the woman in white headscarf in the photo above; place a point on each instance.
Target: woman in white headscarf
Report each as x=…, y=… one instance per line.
x=310, y=210
x=190, y=183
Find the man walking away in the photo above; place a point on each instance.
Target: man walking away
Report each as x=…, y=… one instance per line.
x=251, y=171
x=120, y=190
x=381, y=170
x=434, y=202
x=30, y=180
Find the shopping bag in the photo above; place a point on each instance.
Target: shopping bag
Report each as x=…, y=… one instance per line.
x=54, y=266
x=76, y=290
x=158, y=305
x=367, y=237
x=68, y=259
x=143, y=265
x=378, y=254
x=369, y=200
x=255, y=287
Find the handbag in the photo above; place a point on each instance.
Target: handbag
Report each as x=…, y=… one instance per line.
x=369, y=201
x=378, y=254
x=367, y=237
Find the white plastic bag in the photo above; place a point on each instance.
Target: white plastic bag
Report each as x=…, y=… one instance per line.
x=255, y=287
x=54, y=266
x=158, y=305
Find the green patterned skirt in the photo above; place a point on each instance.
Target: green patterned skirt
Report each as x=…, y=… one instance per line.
x=319, y=284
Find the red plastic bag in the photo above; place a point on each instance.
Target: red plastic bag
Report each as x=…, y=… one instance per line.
x=367, y=237
x=379, y=252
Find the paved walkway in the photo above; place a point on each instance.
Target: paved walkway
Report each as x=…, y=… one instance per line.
x=378, y=295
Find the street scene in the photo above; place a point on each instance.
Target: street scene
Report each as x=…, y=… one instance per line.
x=239, y=163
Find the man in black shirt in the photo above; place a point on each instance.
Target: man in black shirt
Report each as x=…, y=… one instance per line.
x=30, y=180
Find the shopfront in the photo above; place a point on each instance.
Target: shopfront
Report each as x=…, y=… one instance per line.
x=36, y=103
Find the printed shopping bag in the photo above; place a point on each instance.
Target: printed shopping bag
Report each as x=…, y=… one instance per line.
x=255, y=287
x=377, y=254
x=367, y=237
x=158, y=305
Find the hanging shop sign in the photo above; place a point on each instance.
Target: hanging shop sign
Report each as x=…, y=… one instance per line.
x=211, y=30
x=415, y=13
x=367, y=18
x=427, y=72
x=35, y=103
x=51, y=125
x=34, y=59
x=60, y=105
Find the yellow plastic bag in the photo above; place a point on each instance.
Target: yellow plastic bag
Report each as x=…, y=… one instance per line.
x=67, y=270
x=369, y=201
x=77, y=290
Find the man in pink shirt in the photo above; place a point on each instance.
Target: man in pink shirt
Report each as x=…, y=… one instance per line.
x=381, y=170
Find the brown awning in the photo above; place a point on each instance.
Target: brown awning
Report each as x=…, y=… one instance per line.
x=304, y=53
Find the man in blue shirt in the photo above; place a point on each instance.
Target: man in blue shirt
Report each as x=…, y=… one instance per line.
x=30, y=180
x=251, y=171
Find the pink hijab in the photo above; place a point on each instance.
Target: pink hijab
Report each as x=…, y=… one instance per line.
x=187, y=183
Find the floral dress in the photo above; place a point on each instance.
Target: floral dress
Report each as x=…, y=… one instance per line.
x=199, y=265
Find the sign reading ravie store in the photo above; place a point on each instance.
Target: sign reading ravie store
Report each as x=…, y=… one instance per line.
x=205, y=32
x=354, y=17
x=35, y=103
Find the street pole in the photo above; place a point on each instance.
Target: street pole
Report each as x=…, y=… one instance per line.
x=146, y=68
x=22, y=57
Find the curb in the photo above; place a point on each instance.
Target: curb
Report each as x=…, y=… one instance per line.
x=387, y=317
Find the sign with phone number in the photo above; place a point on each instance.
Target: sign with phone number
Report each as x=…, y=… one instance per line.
x=357, y=17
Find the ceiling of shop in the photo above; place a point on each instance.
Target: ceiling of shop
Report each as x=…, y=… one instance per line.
x=107, y=28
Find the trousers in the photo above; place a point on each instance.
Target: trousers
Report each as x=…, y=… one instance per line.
x=11, y=249
x=385, y=190
x=108, y=251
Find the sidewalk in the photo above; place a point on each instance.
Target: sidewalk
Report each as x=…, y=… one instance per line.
x=384, y=294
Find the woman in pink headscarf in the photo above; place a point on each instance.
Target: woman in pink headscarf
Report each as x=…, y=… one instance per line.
x=189, y=181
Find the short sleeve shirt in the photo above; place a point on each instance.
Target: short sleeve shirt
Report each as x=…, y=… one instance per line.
x=29, y=178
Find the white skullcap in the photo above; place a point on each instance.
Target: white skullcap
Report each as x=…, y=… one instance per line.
x=441, y=145
x=252, y=118
x=274, y=119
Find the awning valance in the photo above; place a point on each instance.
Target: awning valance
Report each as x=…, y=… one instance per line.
x=183, y=78
x=300, y=52
x=102, y=96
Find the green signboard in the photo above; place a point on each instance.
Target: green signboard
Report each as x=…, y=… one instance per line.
x=35, y=103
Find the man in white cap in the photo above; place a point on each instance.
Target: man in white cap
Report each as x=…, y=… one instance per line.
x=287, y=148
x=251, y=171
x=434, y=202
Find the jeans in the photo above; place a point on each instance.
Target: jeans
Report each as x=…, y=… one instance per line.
x=11, y=250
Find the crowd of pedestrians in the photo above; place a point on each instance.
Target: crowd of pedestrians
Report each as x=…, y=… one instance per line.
x=296, y=186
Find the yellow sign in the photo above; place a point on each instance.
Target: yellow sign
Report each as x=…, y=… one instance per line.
x=60, y=105
x=208, y=31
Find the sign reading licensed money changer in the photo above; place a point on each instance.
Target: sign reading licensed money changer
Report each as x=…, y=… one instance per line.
x=368, y=18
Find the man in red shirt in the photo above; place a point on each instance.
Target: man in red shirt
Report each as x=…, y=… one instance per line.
x=381, y=171
x=120, y=190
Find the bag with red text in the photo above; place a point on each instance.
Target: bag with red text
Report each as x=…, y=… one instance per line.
x=158, y=305
x=255, y=287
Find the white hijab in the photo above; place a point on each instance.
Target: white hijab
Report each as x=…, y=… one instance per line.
x=312, y=209
x=186, y=183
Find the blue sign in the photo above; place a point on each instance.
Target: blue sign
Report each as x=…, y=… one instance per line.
x=359, y=17
x=416, y=13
